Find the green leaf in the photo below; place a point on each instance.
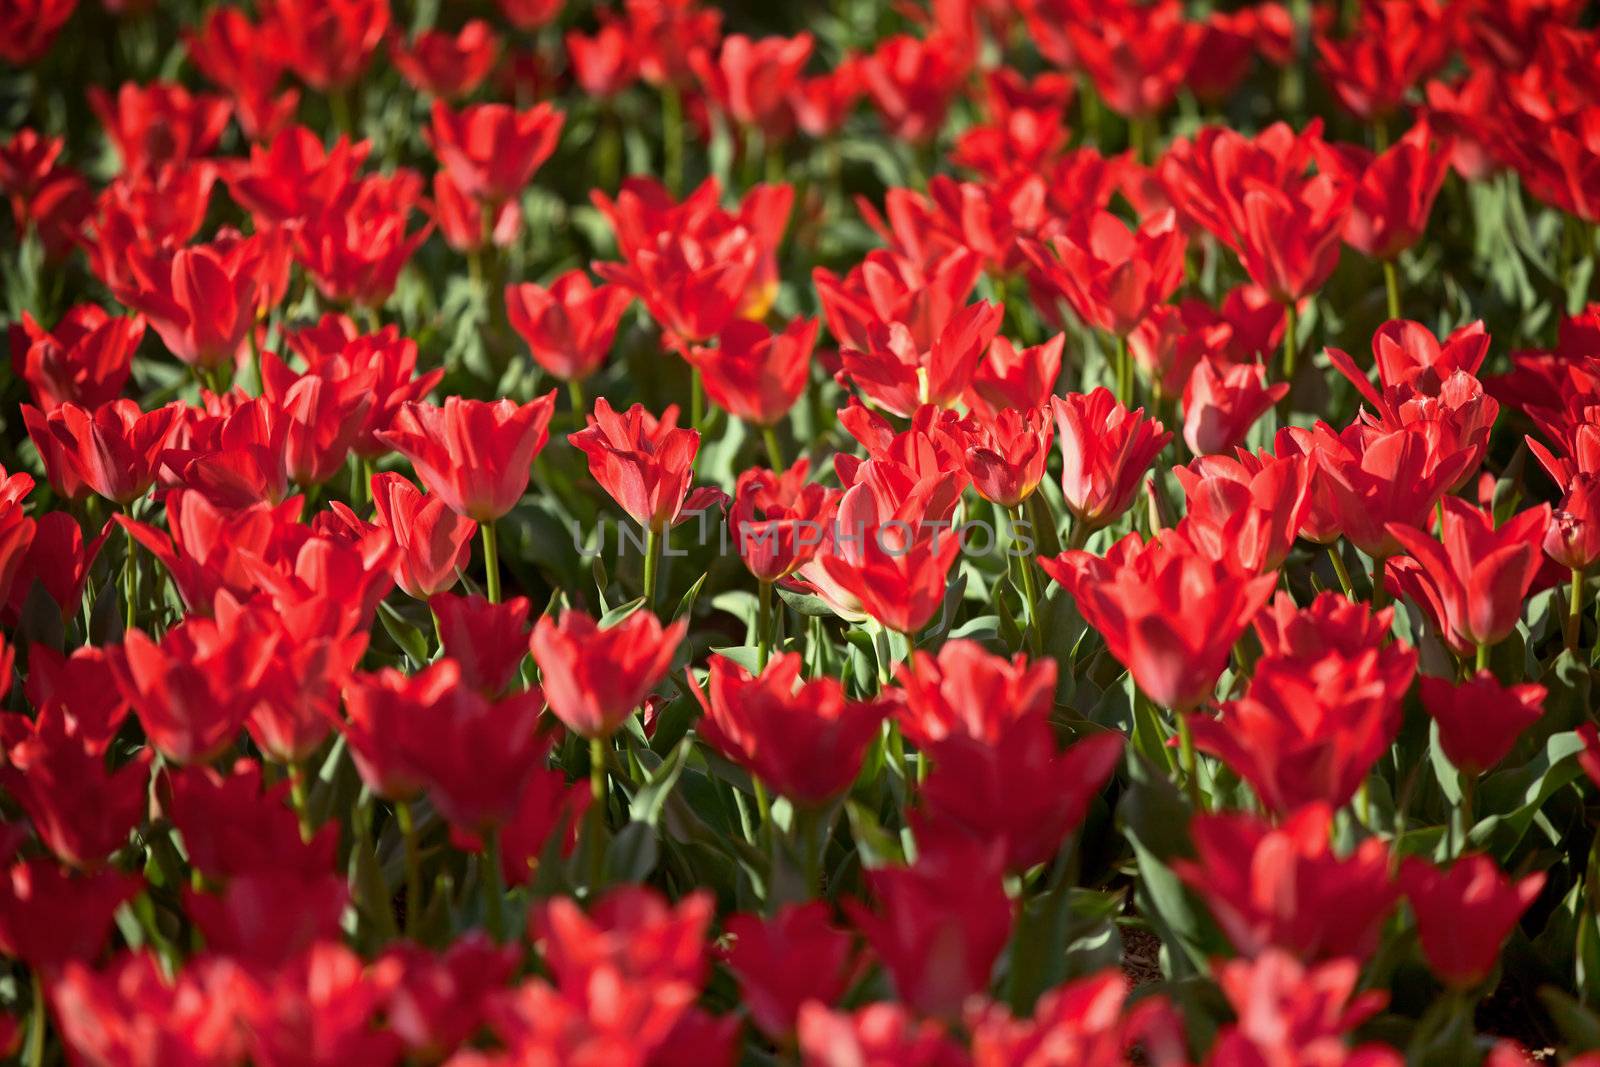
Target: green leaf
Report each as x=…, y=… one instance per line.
x=648, y=802
x=407, y=636
x=620, y=612
x=632, y=854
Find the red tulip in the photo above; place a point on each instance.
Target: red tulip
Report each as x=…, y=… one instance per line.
x=1465, y=913
x=1408, y=355
x=645, y=463
x=882, y=1032
x=233, y=826
x=895, y=564
x=805, y=741
x=474, y=455
x=783, y=962
x=1283, y=887
x=1480, y=574
x=1167, y=612
x=1480, y=720
x=1247, y=510
x=193, y=691
x=750, y=80
x=1373, y=482
x=446, y=65
x=594, y=678
x=475, y=755
x=85, y=360
x=941, y=923
x=334, y=350
x=1221, y=403
x=1288, y=1011
x=822, y=103
x=1005, y=457
x=912, y=83
x=438, y=1000
x=632, y=935
x=434, y=543
x=81, y=687
x=246, y=59
x=755, y=374
x=1009, y=377
x=568, y=327
x=203, y=303
x=886, y=288
x=966, y=692
x=1112, y=277
x=603, y=64
x=159, y=123
x=115, y=450
x=387, y=711
x=1138, y=55
x=1394, y=191
x=1091, y=1018
x=1394, y=45
x=318, y=1005
x=1105, y=451
x=328, y=44
x=778, y=519
x=49, y=918
x=295, y=177
x=354, y=249
x=106, y=1016
x=492, y=150
x=548, y=805
x=28, y=28
x=899, y=375
x=1573, y=539
x=488, y=641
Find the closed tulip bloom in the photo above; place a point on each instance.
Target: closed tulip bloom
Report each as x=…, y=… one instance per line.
x=804, y=740
x=1137, y=54
x=448, y=65
x=967, y=691
x=912, y=81
x=1480, y=720
x=594, y=678
x=81, y=686
x=755, y=374
x=29, y=28
x=474, y=755
x=1394, y=191
x=433, y=542
x=487, y=641
x=327, y=43
x=1289, y=244
x=1573, y=539
x=603, y=63
x=1105, y=451
x=1481, y=572
x=1393, y=46
x=475, y=455
x=784, y=961
x=354, y=249
x=115, y=450
x=1221, y=403
x=1375, y=482
x=940, y=925
x=1247, y=509
x=1465, y=913
x=160, y=123
x=85, y=360
x=1005, y=456
x=645, y=463
x=1113, y=277
x=384, y=711
x=493, y=150
x=779, y=519
x=1168, y=612
x=1285, y=887
x=323, y=416
x=895, y=565
x=204, y=304
x=570, y=326
x=750, y=80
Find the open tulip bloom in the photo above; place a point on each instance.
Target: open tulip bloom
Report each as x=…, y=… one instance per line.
x=954, y=533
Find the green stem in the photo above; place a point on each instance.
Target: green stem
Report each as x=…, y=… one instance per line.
x=130, y=580
x=597, y=770
x=494, y=890
x=491, y=560
x=597, y=813
x=764, y=628
x=1341, y=570
x=1290, y=322
x=672, y=137
x=1186, y=757
x=1469, y=786
x=575, y=392
x=1123, y=370
x=34, y=1056
x=1380, y=593
x=406, y=820
x=697, y=399
x=763, y=809
x=1391, y=283
x=1575, y=609
x=297, y=799
x=1030, y=593
x=652, y=566
x=1483, y=658
x=769, y=437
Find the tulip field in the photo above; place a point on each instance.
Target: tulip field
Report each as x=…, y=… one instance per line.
x=855, y=533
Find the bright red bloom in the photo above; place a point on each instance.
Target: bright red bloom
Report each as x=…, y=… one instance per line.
x=115, y=450
x=750, y=80
x=1088, y=1021
x=58, y=562
x=899, y=374
x=1465, y=913
x=1006, y=456
x=941, y=923
x=132, y=1013
x=318, y=1008
x=354, y=249
x=633, y=934
x=386, y=712
x=493, y=150
x=881, y=1033
x=549, y=805
x=603, y=63
x=666, y=33
x=85, y=360
x=887, y=288
x=81, y=687
x=193, y=690
x=488, y=641
x=1112, y=277
x=1291, y=1013
x=385, y=361
x=1480, y=720
x=594, y=678
x=246, y=59
x=778, y=519
x=967, y=692
x=1284, y=887
x=159, y=123
x=207, y=546
x=447, y=65
x=49, y=918
x=1221, y=403
x=475, y=755
x=1573, y=539
x=822, y=103
x=16, y=537
x=1407, y=354
x=323, y=414
x=645, y=463
x=434, y=542
x=436, y=1001
x=1394, y=45
x=233, y=827
x=912, y=82
x=81, y=811
x=1394, y=191
x=530, y=14
x=1167, y=612
x=202, y=302
x=568, y=327
x=804, y=740
x=895, y=564
x=1480, y=574
x=327, y=43
x=784, y=961
x=28, y=28
x=1247, y=510
x=1009, y=377
x=1137, y=54
x=755, y=374
x=1105, y=451
x=475, y=455
x=295, y=177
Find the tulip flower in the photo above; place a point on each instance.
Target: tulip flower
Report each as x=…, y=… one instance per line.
x=1247, y=510
x=49, y=917
x=247, y=60
x=1372, y=482
x=1105, y=451
x=202, y=305
x=491, y=150
x=967, y=692
x=884, y=1029
x=805, y=741
x=783, y=962
x=912, y=83
x=385, y=361
x=1480, y=720
x=1220, y=404
x=1137, y=55
x=941, y=923
x=449, y=66
x=234, y=826
x=29, y=28
x=487, y=641
x=474, y=755
x=1573, y=540
x=101, y=1011
x=433, y=542
x=114, y=450
x=1284, y=886
x=602, y=63
x=1009, y=377
x=1286, y=1009
x=328, y=44
x=354, y=248
x=899, y=375
x=1005, y=456
x=568, y=327
x=1395, y=45
x=895, y=565
x=85, y=360
x=159, y=123
x=778, y=519
x=1167, y=612
x=1112, y=277
x=755, y=374
x=821, y=103
x=750, y=80
x=1465, y=913
x=81, y=687
x=594, y=678
x=1479, y=576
